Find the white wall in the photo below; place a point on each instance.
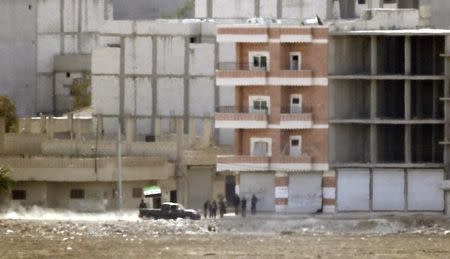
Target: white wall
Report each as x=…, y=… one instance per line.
x=305, y=192
x=262, y=185
x=201, y=97
x=105, y=95
x=201, y=59
x=170, y=55
x=389, y=189
x=353, y=189
x=233, y=8
x=170, y=96
x=424, y=190
x=138, y=55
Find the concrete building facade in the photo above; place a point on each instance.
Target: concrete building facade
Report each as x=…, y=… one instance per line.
x=280, y=114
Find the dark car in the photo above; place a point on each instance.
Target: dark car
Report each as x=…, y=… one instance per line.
x=169, y=210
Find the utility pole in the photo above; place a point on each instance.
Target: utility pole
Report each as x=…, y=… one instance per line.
x=119, y=169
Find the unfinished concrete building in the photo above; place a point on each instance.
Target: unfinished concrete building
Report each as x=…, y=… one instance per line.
x=387, y=120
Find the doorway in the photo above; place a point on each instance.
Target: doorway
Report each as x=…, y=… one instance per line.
x=295, y=147
x=296, y=103
x=295, y=60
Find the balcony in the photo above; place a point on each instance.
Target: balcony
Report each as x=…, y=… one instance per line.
x=262, y=163
x=233, y=117
x=296, y=118
x=242, y=74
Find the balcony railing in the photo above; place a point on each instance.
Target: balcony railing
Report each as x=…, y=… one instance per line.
x=240, y=109
x=232, y=66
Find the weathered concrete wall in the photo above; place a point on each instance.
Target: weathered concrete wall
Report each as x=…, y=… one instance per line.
x=353, y=191
x=18, y=53
x=389, y=189
x=424, y=190
x=238, y=9
x=440, y=17
x=145, y=9
x=305, y=192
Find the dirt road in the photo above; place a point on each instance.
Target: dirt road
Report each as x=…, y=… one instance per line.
x=266, y=237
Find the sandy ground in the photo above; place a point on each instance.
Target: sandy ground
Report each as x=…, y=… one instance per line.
x=65, y=235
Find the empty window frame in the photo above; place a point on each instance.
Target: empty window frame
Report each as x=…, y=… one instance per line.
x=19, y=194
x=77, y=194
x=261, y=146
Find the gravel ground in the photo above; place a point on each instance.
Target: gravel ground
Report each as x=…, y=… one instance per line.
x=43, y=234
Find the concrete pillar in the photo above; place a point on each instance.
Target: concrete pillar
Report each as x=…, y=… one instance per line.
x=192, y=130
x=2, y=134
x=43, y=124
x=407, y=55
x=408, y=154
x=425, y=12
x=237, y=185
x=373, y=55
x=100, y=126
x=207, y=132
x=129, y=129
x=157, y=126
x=77, y=127
x=373, y=99
x=71, y=126
x=180, y=138
x=51, y=127
x=373, y=143
x=329, y=192
x=27, y=128
x=281, y=191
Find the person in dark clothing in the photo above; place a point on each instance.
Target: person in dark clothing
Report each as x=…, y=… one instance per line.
x=244, y=207
x=142, y=205
x=253, y=204
x=214, y=209
x=236, y=204
x=210, y=209
x=205, y=209
x=222, y=208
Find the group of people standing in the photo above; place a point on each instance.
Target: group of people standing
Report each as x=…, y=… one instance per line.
x=242, y=203
x=210, y=208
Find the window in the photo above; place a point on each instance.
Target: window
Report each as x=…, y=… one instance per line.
x=390, y=1
x=295, y=146
x=261, y=146
x=77, y=194
x=361, y=1
x=29, y=7
x=19, y=194
x=194, y=39
x=258, y=60
x=259, y=104
x=295, y=61
x=68, y=75
x=137, y=192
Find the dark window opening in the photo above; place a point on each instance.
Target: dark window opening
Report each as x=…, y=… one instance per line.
x=173, y=196
x=29, y=7
x=19, y=195
x=113, y=45
x=361, y=1
x=137, y=192
x=77, y=194
x=194, y=39
x=68, y=75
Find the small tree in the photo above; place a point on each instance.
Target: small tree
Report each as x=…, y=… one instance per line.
x=8, y=110
x=5, y=180
x=81, y=91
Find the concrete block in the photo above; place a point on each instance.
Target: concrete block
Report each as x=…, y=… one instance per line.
x=303, y=9
x=47, y=47
x=201, y=59
x=130, y=96
x=227, y=52
x=117, y=27
x=48, y=16
x=388, y=189
x=424, y=190
x=168, y=27
x=170, y=96
x=70, y=44
x=106, y=61
x=143, y=97
x=353, y=189
x=201, y=10
x=45, y=93
x=268, y=8
x=226, y=137
x=201, y=97
x=87, y=43
x=93, y=15
x=226, y=96
x=138, y=55
x=233, y=8
x=105, y=94
x=170, y=55
x=71, y=21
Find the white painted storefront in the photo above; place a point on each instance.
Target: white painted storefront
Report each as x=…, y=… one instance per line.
x=390, y=190
x=305, y=192
x=262, y=185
